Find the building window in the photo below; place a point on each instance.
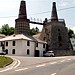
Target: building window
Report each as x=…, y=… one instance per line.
x=58, y=29
x=43, y=45
x=59, y=38
x=37, y=44
x=28, y=51
x=73, y=41
x=44, y=38
x=1, y=44
x=13, y=43
x=59, y=33
x=6, y=43
x=28, y=43
x=13, y=51
x=60, y=45
x=44, y=52
x=6, y=51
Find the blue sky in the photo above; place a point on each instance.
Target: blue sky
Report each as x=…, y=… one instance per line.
x=9, y=10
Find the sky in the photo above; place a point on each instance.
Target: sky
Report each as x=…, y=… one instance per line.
x=38, y=9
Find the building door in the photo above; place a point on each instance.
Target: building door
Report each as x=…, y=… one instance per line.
x=6, y=51
x=37, y=53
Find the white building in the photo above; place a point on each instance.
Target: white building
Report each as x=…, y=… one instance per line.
x=73, y=42
x=22, y=45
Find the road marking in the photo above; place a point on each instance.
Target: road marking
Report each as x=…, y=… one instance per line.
x=73, y=58
x=21, y=69
x=14, y=63
x=40, y=65
x=12, y=66
x=53, y=74
x=6, y=70
x=53, y=62
x=59, y=57
x=17, y=64
x=62, y=60
x=68, y=59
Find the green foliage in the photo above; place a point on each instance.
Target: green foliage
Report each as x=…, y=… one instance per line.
x=34, y=31
x=73, y=35
x=4, y=61
x=11, y=30
x=6, y=30
x=70, y=33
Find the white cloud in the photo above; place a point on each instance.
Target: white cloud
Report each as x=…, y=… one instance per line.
x=63, y=3
x=73, y=2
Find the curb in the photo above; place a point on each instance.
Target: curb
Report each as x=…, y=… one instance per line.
x=9, y=67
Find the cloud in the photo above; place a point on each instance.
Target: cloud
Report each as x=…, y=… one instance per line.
x=63, y=3
x=73, y=2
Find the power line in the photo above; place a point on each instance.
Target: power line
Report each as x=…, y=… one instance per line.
x=57, y=10
x=42, y=12
x=66, y=8
x=8, y=16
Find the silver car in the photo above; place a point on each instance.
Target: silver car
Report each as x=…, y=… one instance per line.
x=49, y=54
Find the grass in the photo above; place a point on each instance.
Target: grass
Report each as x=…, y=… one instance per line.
x=4, y=61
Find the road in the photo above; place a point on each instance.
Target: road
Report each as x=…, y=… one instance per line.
x=42, y=66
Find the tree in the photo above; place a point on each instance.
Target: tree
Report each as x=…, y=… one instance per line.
x=70, y=33
x=11, y=30
x=6, y=30
x=34, y=31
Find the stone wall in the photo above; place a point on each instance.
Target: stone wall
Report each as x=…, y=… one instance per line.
x=56, y=36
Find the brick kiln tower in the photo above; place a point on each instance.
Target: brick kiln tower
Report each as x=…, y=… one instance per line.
x=22, y=23
x=55, y=34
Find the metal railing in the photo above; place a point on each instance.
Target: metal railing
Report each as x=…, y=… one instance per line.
x=56, y=20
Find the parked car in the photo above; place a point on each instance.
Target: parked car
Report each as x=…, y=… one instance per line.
x=49, y=54
x=2, y=53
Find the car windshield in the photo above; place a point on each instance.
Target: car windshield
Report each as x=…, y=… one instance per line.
x=50, y=51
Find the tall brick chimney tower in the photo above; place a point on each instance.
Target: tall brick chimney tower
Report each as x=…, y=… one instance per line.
x=22, y=23
x=54, y=16
x=22, y=10
x=55, y=33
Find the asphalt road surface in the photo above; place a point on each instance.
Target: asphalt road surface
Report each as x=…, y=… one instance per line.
x=41, y=66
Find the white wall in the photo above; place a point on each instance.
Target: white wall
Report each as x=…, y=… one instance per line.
x=17, y=47
x=21, y=47
x=31, y=47
x=40, y=48
x=0, y=49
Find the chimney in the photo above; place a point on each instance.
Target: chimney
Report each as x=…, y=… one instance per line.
x=54, y=16
x=22, y=10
